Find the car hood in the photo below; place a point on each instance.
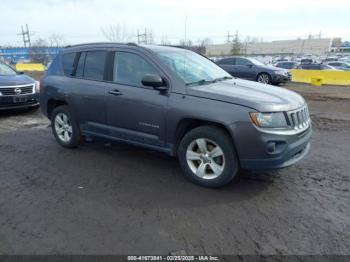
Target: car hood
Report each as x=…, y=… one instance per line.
x=273, y=68
x=15, y=80
x=261, y=97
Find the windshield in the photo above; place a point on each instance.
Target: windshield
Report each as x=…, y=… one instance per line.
x=5, y=70
x=256, y=62
x=191, y=67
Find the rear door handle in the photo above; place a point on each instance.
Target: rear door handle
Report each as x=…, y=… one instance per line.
x=115, y=92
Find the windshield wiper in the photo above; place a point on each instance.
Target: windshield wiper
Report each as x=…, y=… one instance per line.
x=201, y=82
x=206, y=81
x=223, y=78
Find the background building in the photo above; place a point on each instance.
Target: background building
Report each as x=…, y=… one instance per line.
x=17, y=54
x=311, y=46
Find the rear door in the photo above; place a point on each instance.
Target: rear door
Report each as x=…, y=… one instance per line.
x=88, y=88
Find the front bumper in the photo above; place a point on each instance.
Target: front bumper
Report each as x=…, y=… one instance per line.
x=261, y=151
x=8, y=102
x=282, y=78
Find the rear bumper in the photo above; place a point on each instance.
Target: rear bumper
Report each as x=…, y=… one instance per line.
x=7, y=102
x=291, y=150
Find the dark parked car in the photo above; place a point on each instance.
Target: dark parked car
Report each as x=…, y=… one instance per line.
x=17, y=90
x=287, y=65
x=252, y=69
x=315, y=67
x=340, y=65
x=175, y=101
x=306, y=61
x=330, y=59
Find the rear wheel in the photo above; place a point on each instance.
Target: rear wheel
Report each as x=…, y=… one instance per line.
x=264, y=78
x=207, y=157
x=65, y=128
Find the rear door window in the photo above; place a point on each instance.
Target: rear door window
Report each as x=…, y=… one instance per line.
x=227, y=61
x=95, y=65
x=68, y=63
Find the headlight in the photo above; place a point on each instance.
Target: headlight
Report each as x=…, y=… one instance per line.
x=269, y=120
x=281, y=72
x=37, y=86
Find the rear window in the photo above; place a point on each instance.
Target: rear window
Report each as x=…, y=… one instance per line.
x=68, y=63
x=95, y=65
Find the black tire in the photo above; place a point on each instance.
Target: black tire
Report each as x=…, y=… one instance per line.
x=266, y=76
x=220, y=138
x=75, y=139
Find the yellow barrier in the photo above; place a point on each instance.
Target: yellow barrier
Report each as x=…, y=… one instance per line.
x=321, y=77
x=30, y=67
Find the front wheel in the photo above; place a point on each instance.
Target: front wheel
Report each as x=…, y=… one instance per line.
x=65, y=128
x=264, y=78
x=207, y=157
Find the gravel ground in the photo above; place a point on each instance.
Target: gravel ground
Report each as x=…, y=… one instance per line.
x=117, y=199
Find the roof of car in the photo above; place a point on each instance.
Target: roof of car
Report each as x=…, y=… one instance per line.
x=114, y=44
x=159, y=48
x=100, y=44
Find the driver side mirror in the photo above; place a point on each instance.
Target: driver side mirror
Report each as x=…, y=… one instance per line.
x=154, y=81
x=250, y=65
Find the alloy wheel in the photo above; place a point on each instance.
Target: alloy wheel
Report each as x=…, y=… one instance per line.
x=63, y=127
x=264, y=78
x=205, y=158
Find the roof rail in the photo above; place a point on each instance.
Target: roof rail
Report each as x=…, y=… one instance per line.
x=101, y=43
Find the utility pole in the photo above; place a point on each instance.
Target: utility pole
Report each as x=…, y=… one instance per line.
x=236, y=36
x=185, y=30
x=229, y=37
x=142, y=38
x=26, y=36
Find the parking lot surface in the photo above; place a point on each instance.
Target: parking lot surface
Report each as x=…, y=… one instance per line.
x=105, y=198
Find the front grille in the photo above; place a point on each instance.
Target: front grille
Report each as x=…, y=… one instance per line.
x=299, y=119
x=16, y=90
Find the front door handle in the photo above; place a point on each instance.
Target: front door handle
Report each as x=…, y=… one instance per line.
x=115, y=92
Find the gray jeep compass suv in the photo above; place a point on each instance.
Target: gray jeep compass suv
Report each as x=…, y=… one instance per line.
x=175, y=101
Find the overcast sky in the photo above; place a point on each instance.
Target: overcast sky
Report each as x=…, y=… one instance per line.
x=81, y=20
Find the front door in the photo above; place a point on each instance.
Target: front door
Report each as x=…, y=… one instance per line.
x=135, y=112
x=245, y=69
